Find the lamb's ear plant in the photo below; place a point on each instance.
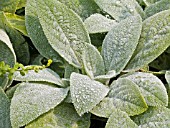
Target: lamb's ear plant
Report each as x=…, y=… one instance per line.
x=55, y=75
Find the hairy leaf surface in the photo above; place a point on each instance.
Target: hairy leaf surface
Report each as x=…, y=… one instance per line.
x=98, y=23
x=154, y=40
x=4, y=110
x=35, y=30
x=46, y=75
x=151, y=88
x=86, y=93
x=120, y=9
x=31, y=100
x=93, y=61
x=7, y=52
x=127, y=97
x=154, y=117
x=120, y=43
x=8, y=5
x=67, y=33
x=120, y=119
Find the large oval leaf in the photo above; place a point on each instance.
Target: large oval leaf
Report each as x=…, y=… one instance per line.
x=35, y=30
x=120, y=119
x=127, y=97
x=157, y=7
x=31, y=100
x=67, y=33
x=154, y=117
x=151, y=88
x=45, y=75
x=120, y=9
x=4, y=110
x=86, y=93
x=7, y=53
x=93, y=61
x=98, y=23
x=120, y=43
x=154, y=40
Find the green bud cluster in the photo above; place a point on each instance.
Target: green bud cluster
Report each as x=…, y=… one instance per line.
x=6, y=69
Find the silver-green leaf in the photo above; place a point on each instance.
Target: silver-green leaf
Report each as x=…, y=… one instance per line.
x=127, y=97
x=98, y=23
x=93, y=61
x=151, y=88
x=85, y=92
x=31, y=100
x=154, y=40
x=67, y=34
x=120, y=43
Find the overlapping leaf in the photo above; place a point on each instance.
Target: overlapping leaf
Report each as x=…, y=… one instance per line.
x=120, y=119
x=150, y=2
x=98, y=23
x=154, y=40
x=127, y=97
x=31, y=100
x=120, y=9
x=151, y=88
x=4, y=110
x=86, y=93
x=45, y=75
x=9, y=5
x=67, y=33
x=35, y=30
x=154, y=117
x=157, y=7
x=93, y=61
x=120, y=43
x=7, y=52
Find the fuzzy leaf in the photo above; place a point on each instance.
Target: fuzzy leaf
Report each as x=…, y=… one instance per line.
x=93, y=61
x=150, y=2
x=17, y=22
x=8, y=5
x=21, y=4
x=35, y=30
x=84, y=8
x=154, y=117
x=127, y=97
x=4, y=110
x=120, y=43
x=151, y=88
x=68, y=70
x=157, y=7
x=86, y=93
x=120, y=9
x=104, y=108
x=7, y=53
x=45, y=75
x=154, y=40
x=31, y=100
x=98, y=23
x=4, y=81
x=167, y=77
x=120, y=119
x=67, y=33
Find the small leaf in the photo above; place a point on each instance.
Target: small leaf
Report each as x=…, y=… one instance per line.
x=120, y=119
x=7, y=52
x=157, y=7
x=154, y=40
x=93, y=61
x=4, y=81
x=98, y=23
x=67, y=34
x=120, y=43
x=46, y=75
x=151, y=88
x=17, y=22
x=127, y=97
x=68, y=70
x=31, y=100
x=104, y=108
x=86, y=93
x=120, y=9
x=154, y=117
x=4, y=110
x=35, y=30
